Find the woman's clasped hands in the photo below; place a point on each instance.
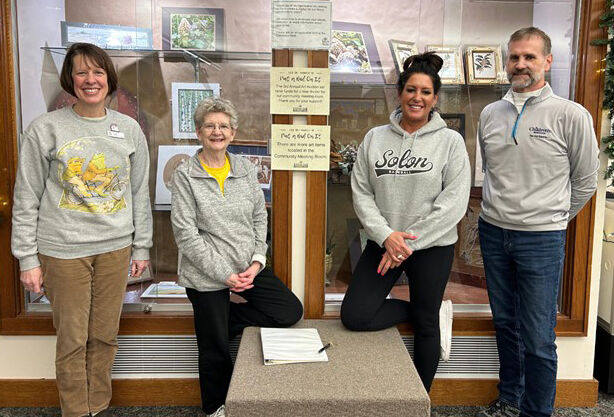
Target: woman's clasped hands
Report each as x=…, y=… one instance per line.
x=396, y=251
x=244, y=280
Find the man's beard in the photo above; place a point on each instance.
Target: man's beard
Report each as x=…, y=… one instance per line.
x=533, y=78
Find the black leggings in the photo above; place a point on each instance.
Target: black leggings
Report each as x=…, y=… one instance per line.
x=365, y=307
x=216, y=321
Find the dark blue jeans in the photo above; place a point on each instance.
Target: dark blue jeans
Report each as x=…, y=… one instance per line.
x=523, y=272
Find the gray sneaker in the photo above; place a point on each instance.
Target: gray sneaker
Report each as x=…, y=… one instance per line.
x=499, y=409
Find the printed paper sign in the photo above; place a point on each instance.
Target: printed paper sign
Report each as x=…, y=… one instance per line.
x=301, y=24
x=304, y=91
x=300, y=147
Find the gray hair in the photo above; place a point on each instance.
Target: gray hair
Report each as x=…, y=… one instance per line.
x=215, y=105
x=532, y=31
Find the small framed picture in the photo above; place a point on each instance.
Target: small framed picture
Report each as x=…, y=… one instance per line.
x=263, y=169
x=195, y=28
x=169, y=158
x=452, y=71
x=401, y=50
x=485, y=65
x=186, y=97
x=353, y=54
x=259, y=156
x=106, y=36
x=455, y=121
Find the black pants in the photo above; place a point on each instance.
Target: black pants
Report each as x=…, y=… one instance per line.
x=216, y=321
x=365, y=306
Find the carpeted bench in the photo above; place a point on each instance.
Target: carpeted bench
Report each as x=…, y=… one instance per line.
x=368, y=374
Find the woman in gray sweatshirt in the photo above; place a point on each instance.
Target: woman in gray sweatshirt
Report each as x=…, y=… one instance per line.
x=410, y=186
x=81, y=211
x=220, y=224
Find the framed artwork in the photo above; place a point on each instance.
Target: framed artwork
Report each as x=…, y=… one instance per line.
x=106, y=36
x=259, y=156
x=455, y=121
x=452, y=71
x=263, y=169
x=193, y=28
x=186, y=97
x=401, y=50
x=169, y=158
x=484, y=65
x=353, y=55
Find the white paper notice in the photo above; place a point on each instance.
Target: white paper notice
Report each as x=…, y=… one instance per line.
x=300, y=147
x=301, y=24
x=303, y=91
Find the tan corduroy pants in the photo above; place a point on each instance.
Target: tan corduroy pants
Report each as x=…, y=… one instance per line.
x=86, y=296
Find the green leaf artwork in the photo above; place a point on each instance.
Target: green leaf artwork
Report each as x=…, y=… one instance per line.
x=193, y=31
x=348, y=53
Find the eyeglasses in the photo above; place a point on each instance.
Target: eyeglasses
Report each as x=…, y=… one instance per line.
x=210, y=127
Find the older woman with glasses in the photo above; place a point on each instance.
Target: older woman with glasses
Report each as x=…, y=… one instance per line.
x=220, y=224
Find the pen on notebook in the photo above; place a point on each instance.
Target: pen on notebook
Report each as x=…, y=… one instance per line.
x=323, y=348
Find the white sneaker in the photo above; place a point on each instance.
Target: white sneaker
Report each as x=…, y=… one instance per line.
x=446, y=312
x=220, y=412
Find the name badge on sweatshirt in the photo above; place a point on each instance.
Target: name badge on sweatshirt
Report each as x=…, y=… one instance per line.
x=114, y=131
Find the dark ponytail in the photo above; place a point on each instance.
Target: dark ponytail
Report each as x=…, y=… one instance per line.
x=427, y=63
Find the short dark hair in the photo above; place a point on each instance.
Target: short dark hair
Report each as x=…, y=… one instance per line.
x=532, y=31
x=427, y=63
x=94, y=54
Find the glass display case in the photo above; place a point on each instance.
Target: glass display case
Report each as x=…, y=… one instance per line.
x=167, y=59
x=169, y=53
x=471, y=37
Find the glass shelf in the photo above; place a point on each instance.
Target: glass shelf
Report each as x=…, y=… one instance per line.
x=189, y=55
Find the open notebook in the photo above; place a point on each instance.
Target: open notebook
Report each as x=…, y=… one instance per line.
x=291, y=346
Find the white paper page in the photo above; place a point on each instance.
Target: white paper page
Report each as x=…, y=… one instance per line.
x=291, y=346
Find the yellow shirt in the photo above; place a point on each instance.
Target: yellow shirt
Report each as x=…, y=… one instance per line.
x=220, y=174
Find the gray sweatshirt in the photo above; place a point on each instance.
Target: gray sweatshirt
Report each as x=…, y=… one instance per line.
x=543, y=181
x=81, y=188
x=415, y=182
x=217, y=234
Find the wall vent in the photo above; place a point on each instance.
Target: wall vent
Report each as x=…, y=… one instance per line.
x=177, y=356
x=470, y=355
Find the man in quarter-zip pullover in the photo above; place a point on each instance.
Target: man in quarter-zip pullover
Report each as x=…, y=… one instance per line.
x=540, y=160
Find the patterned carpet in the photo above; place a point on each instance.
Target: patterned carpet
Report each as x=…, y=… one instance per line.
x=605, y=408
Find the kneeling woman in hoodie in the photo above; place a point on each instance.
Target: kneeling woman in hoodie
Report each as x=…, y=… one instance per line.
x=410, y=186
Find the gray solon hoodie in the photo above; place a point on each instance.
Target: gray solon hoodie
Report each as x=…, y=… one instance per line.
x=415, y=182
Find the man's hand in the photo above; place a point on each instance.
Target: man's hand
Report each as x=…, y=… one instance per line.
x=32, y=279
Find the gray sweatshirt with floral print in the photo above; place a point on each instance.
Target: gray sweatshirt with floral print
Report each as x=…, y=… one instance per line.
x=81, y=188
